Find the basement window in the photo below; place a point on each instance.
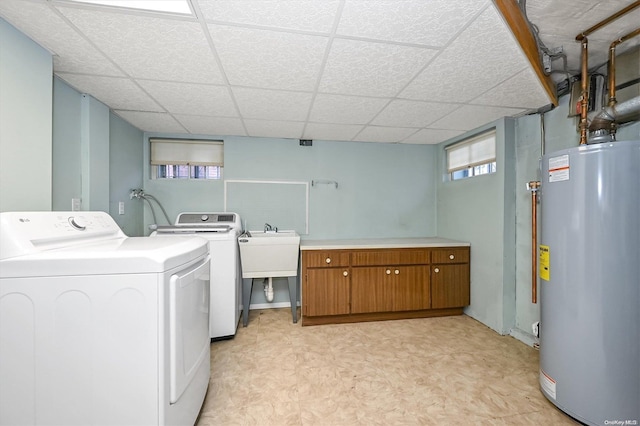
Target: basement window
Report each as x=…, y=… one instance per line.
x=471, y=157
x=186, y=159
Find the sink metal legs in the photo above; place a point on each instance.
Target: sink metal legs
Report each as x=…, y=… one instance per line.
x=293, y=297
x=247, y=287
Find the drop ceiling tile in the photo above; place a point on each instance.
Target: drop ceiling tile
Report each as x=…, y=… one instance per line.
x=157, y=122
x=218, y=126
x=150, y=47
x=274, y=129
x=371, y=69
x=331, y=132
x=269, y=59
x=116, y=92
x=490, y=54
x=272, y=105
x=71, y=51
x=432, y=23
x=403, y=113
x=523, y=90
x=345, y=109
x=383, y=134
x=189, y=98
x=469, y=117
x=562, y=21
x=432, y=136
x=306, y=15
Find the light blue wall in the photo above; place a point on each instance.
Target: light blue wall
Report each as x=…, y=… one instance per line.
x=25, y=122
x=67, y=172
x=384, y=190
x=97, y=157
x=125, y=174
x=481, y=210
x=94, y=150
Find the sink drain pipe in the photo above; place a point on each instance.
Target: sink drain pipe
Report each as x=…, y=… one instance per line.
x=268, y=289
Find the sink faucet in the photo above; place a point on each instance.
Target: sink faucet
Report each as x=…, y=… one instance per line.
x=267, y=227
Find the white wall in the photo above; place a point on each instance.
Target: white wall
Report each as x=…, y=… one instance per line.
x=25, y=122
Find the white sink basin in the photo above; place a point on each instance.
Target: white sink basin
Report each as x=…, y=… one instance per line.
x=269, y=254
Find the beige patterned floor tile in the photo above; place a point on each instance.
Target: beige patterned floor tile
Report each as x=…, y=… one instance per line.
x=328, y=412
x=426, y=371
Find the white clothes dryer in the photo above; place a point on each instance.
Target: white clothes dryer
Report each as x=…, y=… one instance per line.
x=99, y=328
x=222, y=231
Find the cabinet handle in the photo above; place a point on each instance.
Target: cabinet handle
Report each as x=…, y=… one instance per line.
x=345, y=273
x=328, y=260
x=397, y=271
x=388, y=271
x=436, y=270
x=451, y=257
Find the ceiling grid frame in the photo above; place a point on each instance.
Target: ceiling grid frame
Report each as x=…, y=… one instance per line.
x=346, y=113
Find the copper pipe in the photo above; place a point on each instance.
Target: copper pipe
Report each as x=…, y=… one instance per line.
x=608, y=20
x=584, y=97
x=612, y=72
x=612, y=64
x=533, y=187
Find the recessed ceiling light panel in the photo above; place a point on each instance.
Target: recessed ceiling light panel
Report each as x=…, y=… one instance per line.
x=168, y=6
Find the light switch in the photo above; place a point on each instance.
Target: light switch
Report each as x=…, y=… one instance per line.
x=121, y=207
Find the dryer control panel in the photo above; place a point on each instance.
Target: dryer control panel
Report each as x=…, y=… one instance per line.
x=31, y=232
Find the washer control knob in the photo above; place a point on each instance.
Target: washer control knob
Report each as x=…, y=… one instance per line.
x=204, y=217
x=76, y=224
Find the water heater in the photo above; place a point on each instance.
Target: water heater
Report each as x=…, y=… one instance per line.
x=590, y=282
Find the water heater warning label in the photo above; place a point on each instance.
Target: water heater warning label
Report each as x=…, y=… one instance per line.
x=544, y=269
x=547, y=384
x=559, y=168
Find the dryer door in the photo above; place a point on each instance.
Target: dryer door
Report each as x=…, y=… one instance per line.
x=188, y=326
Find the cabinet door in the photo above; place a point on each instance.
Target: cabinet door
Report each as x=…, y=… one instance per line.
x=371, y=290
x=326, y=292
x=390, y=289
x=450, y=286
x=410, y=288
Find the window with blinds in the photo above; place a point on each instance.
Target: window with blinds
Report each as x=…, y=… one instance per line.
x=186, y=158
x=472, y=157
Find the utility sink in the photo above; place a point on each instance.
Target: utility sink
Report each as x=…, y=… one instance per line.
x=269, y=254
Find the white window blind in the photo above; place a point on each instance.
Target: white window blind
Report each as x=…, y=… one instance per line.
x=190, y=152
x=475, y=151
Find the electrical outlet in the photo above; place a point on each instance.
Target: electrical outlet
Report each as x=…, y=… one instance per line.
x=121, y=207
x=75, y=204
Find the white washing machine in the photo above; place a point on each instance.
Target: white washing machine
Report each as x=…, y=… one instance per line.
x=222, y=231
x=98, y=328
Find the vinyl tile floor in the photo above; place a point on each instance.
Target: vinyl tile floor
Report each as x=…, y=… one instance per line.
x=432, y=371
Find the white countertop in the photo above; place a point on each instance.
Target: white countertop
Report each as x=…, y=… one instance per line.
x=380, y=243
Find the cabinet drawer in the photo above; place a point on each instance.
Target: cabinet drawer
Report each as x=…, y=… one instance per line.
x=450, y=255
x=325, y=258
x=375, y=257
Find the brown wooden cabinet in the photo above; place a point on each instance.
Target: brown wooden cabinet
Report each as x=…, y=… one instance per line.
x=450, y=276
x=373, y=284
x=328, y=289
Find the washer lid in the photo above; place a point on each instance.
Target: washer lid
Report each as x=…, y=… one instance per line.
x=134, y=255
x=192, y=229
